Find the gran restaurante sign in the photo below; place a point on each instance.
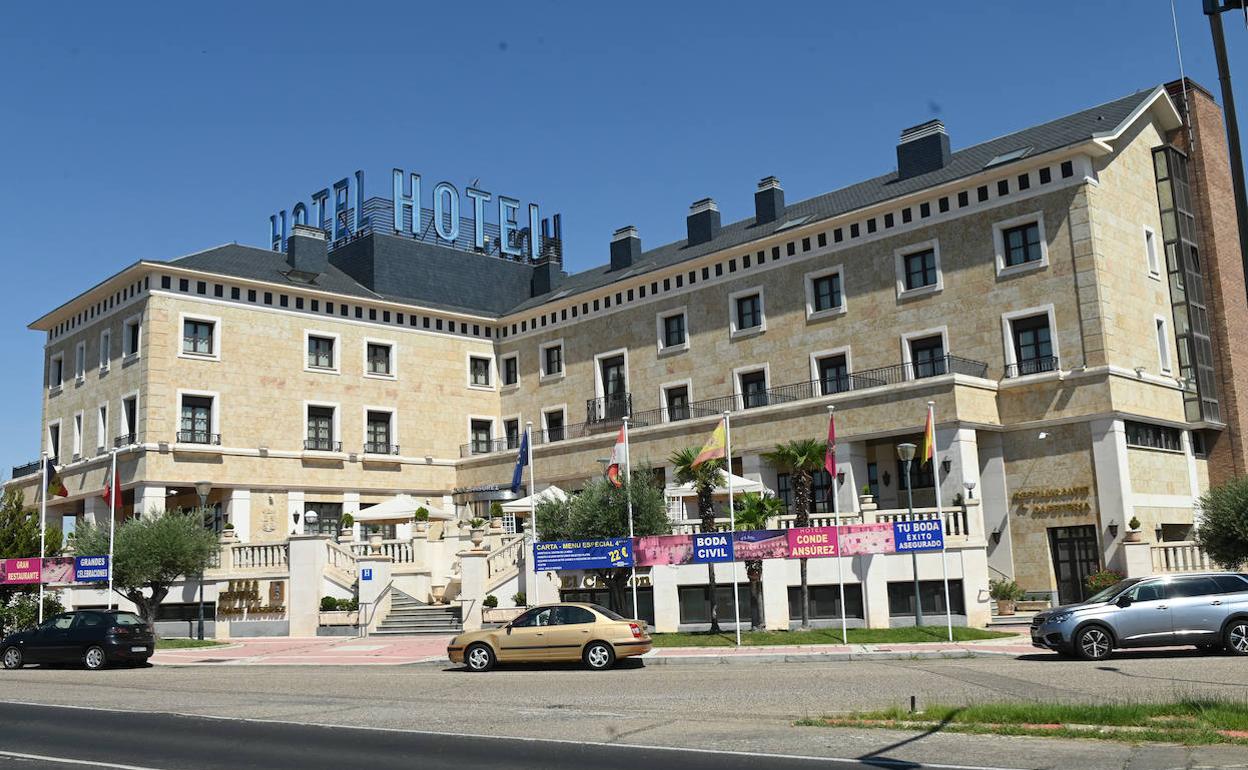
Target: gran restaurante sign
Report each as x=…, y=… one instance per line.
x=1040, y=501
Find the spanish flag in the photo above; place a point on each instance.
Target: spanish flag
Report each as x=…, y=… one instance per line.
x=55, y=485
x=714, y=448
x=929, y=439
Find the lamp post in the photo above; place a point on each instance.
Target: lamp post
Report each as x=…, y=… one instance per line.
x=1213, y=9
x=202, y=488
x=905, y=453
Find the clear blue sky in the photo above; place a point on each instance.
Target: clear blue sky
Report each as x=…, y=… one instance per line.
x=147, y=132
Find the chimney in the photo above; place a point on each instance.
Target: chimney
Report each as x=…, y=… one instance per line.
x=306, y=250
x=922, y=148
x=547, y=274
x=768, y=201
x=702, y=222
x=625, y=247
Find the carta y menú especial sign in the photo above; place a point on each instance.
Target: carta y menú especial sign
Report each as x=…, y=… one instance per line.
x=339, y=211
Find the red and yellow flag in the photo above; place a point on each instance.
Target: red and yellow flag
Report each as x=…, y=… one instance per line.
x=928, y=452
x=714, y=449
x=55, y=485
x=617, y=459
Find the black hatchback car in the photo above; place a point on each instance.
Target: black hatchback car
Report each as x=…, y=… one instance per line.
x=91, y=638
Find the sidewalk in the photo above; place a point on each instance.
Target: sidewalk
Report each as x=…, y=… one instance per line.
x=1010, y=647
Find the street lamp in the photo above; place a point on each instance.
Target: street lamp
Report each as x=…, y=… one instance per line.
x=202, y=488
x=905, y=453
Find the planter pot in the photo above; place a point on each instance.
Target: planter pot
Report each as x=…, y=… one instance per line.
x=478, y=535
x=346, y=535
x=496, y=523
x=866, y=499
x=1005, y=606
x=422, y=526
x=1133, y=536
x=374, y=543
x=438, y=594
x=339, y=618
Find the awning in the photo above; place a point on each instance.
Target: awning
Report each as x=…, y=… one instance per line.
x=522, y=506
x=401, y=508
x=740, y=484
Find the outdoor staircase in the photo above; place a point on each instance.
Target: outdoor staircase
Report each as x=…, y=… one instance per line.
x=409, y=617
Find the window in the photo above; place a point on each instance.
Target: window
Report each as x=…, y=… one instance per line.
x=54, y=441
x=196, y=421
x=378, y=359
x=511, y=370
x=554, y=425
x=920, y=269
x=695, y=601
x=197, y=337
x=101, y=429
x=754, y=388
x=827, y=292
x=825, y=602
x=478, y=372
x=377, y=434
x=676, y=399
x=1022, y=244
x=552, y=359
x=672, y=332
x=80, y=361
x=1163, y=344
x=78, y=435
x=1150, y=252
x=784, y=490
x=833, y=374
x=56, y=371
x=130, y=421
x=746, y=312
x=927, y=357
x=320, y=436
x=320, y=352
x=931, y=594
x=922, y=476
x=749, y=313
x=481, y=434
x=1032, y=346
x=511, y=429
x=873, y=479
x=133, y=332
x=1141, y=434
x=106, y=349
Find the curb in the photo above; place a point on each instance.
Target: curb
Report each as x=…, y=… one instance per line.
x=820, y=657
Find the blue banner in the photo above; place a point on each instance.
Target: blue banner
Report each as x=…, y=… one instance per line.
x=921, y=535
x=582, y=554
x=90, y=569
x=712, y=547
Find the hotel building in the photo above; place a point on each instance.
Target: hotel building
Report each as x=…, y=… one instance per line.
x=1066, y=295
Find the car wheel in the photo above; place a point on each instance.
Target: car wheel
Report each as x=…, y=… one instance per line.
x=94, y=658
x=479, y=657
x=1093, y=643
x=599, y=656
x=12, y=658
x=1236, y=637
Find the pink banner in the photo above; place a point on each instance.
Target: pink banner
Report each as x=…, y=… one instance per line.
x=58, y=569
x=812, y=542
x=663, y=549
x=866, y=538
x=15, y=571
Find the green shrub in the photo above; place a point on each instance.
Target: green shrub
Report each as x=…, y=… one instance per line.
x=422, y=514
x=1099, y=581
x=519, y=599
x=328, y=604
x=496, y=510
x=1134, y=524
x=490, y=601
x=22, y=611
x=476, y=523
x=1005, y=590
x=347, y=520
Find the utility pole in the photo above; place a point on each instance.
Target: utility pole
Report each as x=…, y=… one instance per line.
x=1214, y=10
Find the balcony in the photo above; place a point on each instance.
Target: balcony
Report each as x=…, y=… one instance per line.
x=1032, y=366
x=198, y=437
x=26, y=469
x=321, y=445
x=377, y=448
x=125, y=439
x=608, y=409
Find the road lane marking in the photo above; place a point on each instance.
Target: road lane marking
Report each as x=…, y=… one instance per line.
x=68, y=761
x=867, y=759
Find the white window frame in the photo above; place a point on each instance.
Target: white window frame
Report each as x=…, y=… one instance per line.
x=734, y=331
x=502, y=368
x=998, y=244
x=53, y=360
x=214, y=426
x=543, y=375
x=686, y=383
x=336, y=438
x=394, y=359
x=808, y=281
x=128, y=356
x=106, y=349
x=1165, y=344
x=54, y=452
x=660, y=320
x=215, y=353
x=1152, y=255
x=394, y=424
x=80, y=362
x=308, y=334
x=546, y=411
x=599, y=390
x=814, y=365
x=101, y=427
x=907, y=358
x=128, y=429
x=489, y=362
x=79, y=419
x=739, y=392
x=899, y=264
x=1007, y=338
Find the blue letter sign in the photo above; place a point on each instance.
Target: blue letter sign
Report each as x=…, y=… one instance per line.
x=90, y=569
x=920, y=535
x=582, y=554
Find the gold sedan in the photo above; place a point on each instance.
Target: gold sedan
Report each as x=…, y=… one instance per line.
x=554, y=632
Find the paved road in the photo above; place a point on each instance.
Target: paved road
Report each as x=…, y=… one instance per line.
x=741, y=707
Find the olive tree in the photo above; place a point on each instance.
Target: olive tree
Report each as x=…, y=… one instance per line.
x=1223, y=530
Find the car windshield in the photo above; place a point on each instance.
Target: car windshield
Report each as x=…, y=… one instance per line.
x=1105, y=594
x=128, y=619
x=606, y=613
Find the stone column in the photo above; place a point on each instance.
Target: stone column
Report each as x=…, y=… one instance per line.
x=238, y=513
x=874, y=571
x=961, y=447
x=95, y=511
x=1113, y=484
x=1137, y=559
x=666, y=599
x=854, y=459
x=149, y=499
x=775, y=595
x=472, y=577
x=351, y=505
x=294, y=504
x=420, y=560
x=994, y=504
x=373, y=571
x=307, y=574
x=974, y=561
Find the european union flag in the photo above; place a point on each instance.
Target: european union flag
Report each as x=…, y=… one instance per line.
x=518, y=474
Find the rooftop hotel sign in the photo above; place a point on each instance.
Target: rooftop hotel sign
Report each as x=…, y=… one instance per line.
x=339, y=210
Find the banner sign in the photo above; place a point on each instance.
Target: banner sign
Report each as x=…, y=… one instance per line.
x=90, y=569
x=858, y=539
x=756, y=545
x=582, y=554
x=922, y=535
x=701, y=548
x=20, y=571
x=58, y=569
x=811, y=542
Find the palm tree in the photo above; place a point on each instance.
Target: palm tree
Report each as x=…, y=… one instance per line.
x=753, y=512
x=801, y=457
x=705, y=478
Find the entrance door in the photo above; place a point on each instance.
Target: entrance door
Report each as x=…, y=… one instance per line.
x=1075, y=556
x=614, y=388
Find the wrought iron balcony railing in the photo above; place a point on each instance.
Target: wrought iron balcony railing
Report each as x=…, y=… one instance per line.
x=1032, y=366
x=198, y=437
x=378, y=448
x=26, y=469
x=125, y=439
x=611, y=408
x=321, y=445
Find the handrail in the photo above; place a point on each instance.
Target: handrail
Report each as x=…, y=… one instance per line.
x=366, y=617
x=508, y=554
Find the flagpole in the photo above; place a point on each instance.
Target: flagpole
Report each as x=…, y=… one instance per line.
x=732, y=518
x=43, y=526
x=836, y=516
x=628, y=494
x=940, y=517
x=112, y=524
x=532, y=529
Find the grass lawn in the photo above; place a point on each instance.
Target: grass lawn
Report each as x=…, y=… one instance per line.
x=182, y=644
x=826, y=636
x=1185, y=721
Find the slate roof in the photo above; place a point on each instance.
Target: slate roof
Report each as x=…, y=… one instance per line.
x=265, y=265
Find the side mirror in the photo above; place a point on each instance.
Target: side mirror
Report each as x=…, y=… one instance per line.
x=1123, y=601
x=508, y=627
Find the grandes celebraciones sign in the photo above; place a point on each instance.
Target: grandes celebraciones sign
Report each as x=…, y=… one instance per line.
x=56, y=569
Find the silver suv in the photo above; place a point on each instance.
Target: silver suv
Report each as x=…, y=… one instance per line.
x=1209, y=610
